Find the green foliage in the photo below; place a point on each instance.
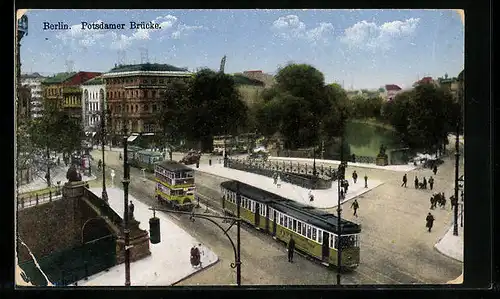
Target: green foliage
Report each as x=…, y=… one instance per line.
x=206, y=105
x=301, y=107
x=363, y=107
x=423, y=116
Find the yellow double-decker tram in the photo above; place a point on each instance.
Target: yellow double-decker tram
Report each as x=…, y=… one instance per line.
x=175, y=185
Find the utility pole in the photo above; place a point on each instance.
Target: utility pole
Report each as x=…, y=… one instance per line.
x=103, y=134
x=457, y=162
x=340, y=178
x=126, y=182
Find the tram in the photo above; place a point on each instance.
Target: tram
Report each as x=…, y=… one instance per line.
x=146, y=159
x=175, y=185
x=315, y=231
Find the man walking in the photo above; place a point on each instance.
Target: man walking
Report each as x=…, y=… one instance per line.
x=424, y=184
x=291, y=248
x=435, y=169
x=354, y=176
x=355, y=206
x=416, y=182
x=431, y=182
x=311, y=196
x=405, y=179
x=366, y=181
x=430, y=221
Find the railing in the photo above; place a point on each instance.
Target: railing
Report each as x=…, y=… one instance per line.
x=105, y=209
x=290, y=172
x=31, y=200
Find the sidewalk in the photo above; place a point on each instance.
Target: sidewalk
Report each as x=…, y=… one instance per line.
x=452, y=246
x=57, y=173
x=323, y=199
x=400, y=168
x=169, y=260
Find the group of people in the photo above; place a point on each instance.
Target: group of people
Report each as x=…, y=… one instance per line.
x=355, y=178
x=438, y=198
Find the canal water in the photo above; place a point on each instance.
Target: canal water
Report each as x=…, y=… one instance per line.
x=364, y=139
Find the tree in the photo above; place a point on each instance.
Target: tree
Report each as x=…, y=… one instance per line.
x=422, y=116
x=206, y=105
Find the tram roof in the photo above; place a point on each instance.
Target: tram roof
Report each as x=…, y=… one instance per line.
x=317, y=217
x=173, y=166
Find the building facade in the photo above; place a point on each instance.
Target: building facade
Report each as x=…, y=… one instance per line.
x=133, y=94
x=450, y=84
x=63, y=91
x=34, y=83
x=94, y=100
x=391, y=90
x=24, y=102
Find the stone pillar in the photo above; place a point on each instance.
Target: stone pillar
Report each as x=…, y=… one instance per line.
x=139, y=239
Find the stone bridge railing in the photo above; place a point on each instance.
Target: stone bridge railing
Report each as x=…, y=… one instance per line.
x=104, y=209
x=300, y=174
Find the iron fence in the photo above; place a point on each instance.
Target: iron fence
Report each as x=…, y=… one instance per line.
x=30, y=200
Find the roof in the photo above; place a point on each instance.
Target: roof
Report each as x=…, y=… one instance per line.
x=390, y=87
x=59, y=78
x=309, y=214
x=173, y=166
x=259, y=71
x=95, y=81
x=243, y=80
x=155, y=67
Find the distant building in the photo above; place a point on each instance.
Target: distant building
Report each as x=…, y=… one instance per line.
x=267, y=79
x=94, y=97
x=133, y=94
x=450, y=84
x=34, y=83
x=24, y=102
x=391, y=90
x=425, y=80
x=63, y=91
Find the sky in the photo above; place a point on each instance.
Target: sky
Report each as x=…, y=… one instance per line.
x=357, y=48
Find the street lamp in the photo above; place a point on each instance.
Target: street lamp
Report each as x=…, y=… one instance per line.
x=155, y=229
x=340, y=178
x=457, y=161
x=126, y=182
x=103, y=133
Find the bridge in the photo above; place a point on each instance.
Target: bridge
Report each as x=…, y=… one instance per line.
x=73, y=234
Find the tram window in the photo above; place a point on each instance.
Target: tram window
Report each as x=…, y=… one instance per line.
x=320, y=236
x=281, y=219
x=309, y=232
x=271, y=214
x=294, y=225
x=331, y=241
x=285, y=219
x=290, y=223
x=299, y=227
x=314, y=234
x=304, y=229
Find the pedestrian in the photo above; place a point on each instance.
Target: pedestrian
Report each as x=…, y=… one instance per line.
x=416, y=182
x=453, y=201
x=424, y=183
x=405, y=179
x=275, y=178
x=431, y=182
x=311, y=196
x=355, y=206
x=346, y=186
x=432, y=202
x=120, y=157
x=278, y=181
x=342, y=193
x=291, y=248
x=366, y=181
x=58, y=161
x=354, y=176
x=429, y=221
x=99, y=164
x=195, y=256
x=435, y=169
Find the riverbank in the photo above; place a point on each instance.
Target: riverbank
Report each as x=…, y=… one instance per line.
x=373, y=122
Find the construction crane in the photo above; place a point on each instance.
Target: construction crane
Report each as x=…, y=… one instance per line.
x=222, y=64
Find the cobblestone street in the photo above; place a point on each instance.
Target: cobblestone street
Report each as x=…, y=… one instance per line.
x=395, y=245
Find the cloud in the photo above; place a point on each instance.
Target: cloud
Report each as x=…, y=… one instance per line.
x=184, y=30
x=370, y=36
x=290, y=27
x=122, y=39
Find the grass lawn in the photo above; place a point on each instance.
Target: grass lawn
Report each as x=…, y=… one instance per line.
x=40, y=192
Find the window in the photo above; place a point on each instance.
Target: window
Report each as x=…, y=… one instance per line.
x=271, y=214
x=331, y=240
x=309, y=231
x=285, y=221
x=154, y=108
x=136, y=94
x=136, y=108
x=294, y=227
x=146, y=108
x=320, y=236
x=153, y=93
x=290, y=223
x=314, y=234
x=161, y=81
x=149, y=93
x=281, y=219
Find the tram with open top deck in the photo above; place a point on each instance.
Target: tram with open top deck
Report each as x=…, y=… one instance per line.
x=315, y=231
x=175, y=185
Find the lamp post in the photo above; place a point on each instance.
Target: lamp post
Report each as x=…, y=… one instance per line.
x=340, y=178
x=126, y=182
x=103, y=134
x=237, y=220
x=457, y=161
